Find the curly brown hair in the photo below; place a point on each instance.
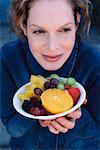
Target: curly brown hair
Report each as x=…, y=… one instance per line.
x=19, y=9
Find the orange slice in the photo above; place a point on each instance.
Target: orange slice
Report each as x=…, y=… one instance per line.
x=56, y=101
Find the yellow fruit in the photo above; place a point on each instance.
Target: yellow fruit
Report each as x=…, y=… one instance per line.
x=56, y=101
x=32, y=86
x=38, y=80
x=22, y=97
x=29, y=93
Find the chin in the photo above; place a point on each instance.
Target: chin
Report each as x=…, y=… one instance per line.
x=52, y=68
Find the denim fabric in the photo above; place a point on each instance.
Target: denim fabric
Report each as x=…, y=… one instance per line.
x=17, y=64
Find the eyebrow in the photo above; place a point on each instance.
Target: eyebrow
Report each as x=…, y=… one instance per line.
x=70, y=23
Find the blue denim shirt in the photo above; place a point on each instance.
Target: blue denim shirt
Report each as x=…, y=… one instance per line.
x=17, y=64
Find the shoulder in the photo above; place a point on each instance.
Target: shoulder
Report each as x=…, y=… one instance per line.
x=87, y=65
x=11, y=49
x=89, y=53
x=89, y=57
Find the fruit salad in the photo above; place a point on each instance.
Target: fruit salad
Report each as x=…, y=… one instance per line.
x=51, y=95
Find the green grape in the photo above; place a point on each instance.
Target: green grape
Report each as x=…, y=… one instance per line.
x=62, y=81
x=60, y=86
x=71, y=81
x=54, y=76
x=75, y=85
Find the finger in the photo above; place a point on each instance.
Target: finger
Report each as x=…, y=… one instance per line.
x=85, y=102
x=76, y=114
x=59, y=127
x=44, y=123
x=52, y=129
x=69, y=124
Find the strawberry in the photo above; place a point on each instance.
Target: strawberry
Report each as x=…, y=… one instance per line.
x=75, y=93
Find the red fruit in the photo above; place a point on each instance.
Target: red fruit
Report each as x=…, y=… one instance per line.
x=66, y=87
x=75, y=93
x=35, y=111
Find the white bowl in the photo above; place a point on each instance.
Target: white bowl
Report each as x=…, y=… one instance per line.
x=18, y=105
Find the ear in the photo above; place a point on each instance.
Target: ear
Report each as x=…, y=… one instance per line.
x=23, y=27
x=78, y=18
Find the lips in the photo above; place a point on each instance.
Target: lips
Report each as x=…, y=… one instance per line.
x=52, y=58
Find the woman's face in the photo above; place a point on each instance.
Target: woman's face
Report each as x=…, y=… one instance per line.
x=51, y=32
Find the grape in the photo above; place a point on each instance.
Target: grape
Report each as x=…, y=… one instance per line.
x=60, y=86
x=27, y=105
x=62, y=81
x=35, y=111
x=71, y=81
x=43, y=111
x=38, y=104
x=53, y=86
x=34, y=99
x=38, y=91
x=54, y=76
x=47, y=85
x=54, y=81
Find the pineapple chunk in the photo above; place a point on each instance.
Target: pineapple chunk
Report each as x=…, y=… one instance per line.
x=22, y=97
x=32, y=86
x=38, y=80
x=29, y=93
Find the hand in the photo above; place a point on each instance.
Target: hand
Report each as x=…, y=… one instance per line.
x=62, y=124
x=85, y=101
x=44, y=123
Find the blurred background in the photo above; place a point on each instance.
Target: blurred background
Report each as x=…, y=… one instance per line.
x=7, y=35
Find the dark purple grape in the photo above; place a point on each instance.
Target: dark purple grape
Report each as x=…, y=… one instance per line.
x=43, y=112
x=54, y=81
x=53, y=86
x=34, y=99
x=27, y=105
x=35, y=111
x=38, y=91
x=38, y=104
x=47, y=85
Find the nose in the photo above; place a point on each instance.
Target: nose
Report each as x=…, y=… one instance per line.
x=53, y=43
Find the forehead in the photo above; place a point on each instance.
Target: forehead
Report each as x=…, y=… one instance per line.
x=47, y=12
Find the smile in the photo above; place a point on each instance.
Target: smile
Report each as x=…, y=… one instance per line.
x=52, y=58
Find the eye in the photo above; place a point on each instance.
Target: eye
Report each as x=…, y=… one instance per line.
x=39, y=32
x=65, y=30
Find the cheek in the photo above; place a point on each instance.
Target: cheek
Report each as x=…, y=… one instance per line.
x=68, y=42
x=35, y=44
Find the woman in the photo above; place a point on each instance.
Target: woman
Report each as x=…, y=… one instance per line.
x=50, y=42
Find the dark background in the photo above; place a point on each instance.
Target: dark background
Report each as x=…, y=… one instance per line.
x=6, y=35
